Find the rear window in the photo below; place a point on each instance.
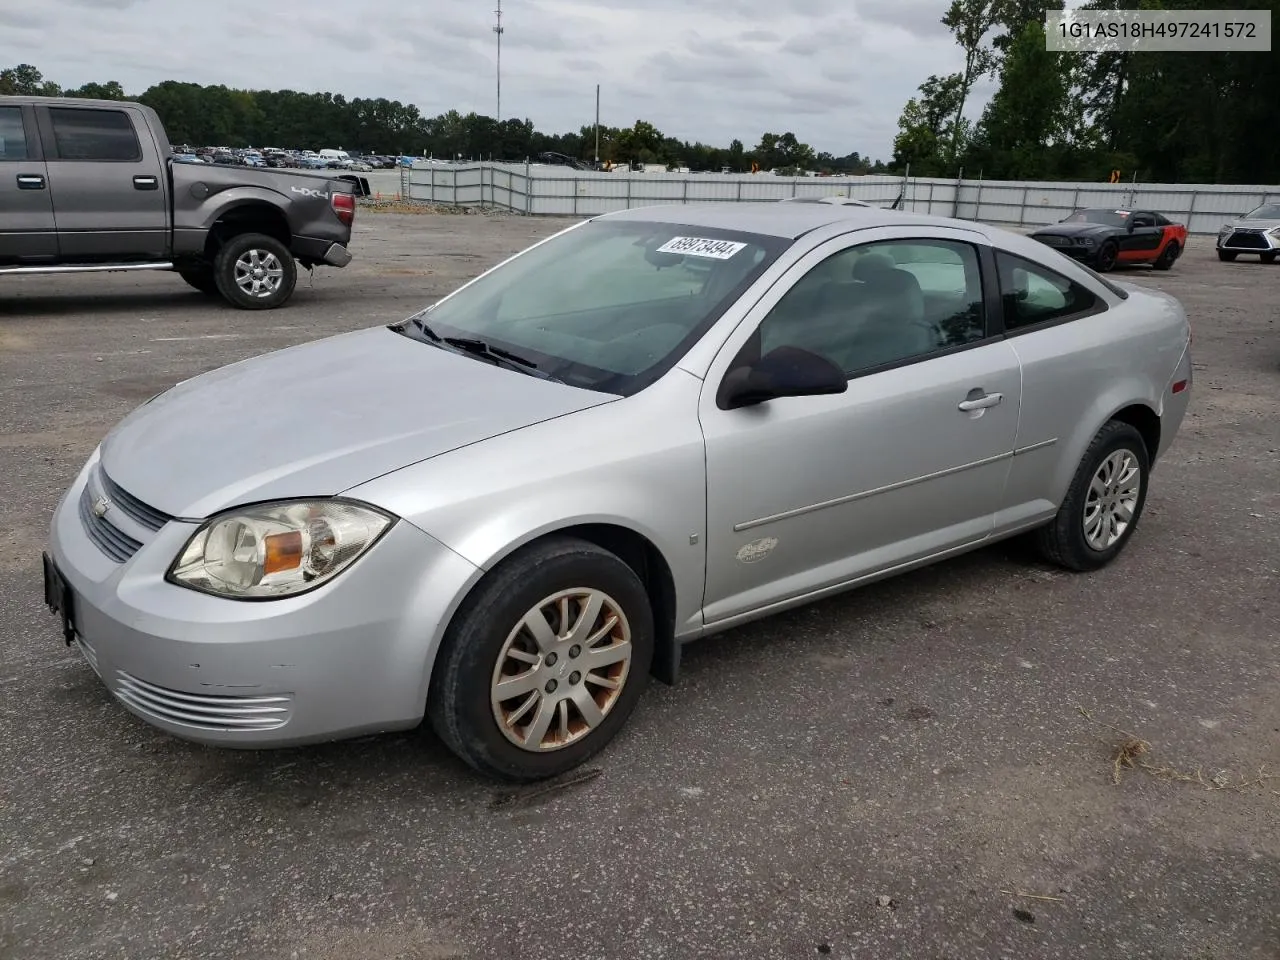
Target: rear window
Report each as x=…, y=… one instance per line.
x=90, y=134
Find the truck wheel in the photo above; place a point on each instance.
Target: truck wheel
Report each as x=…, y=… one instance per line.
x=255, y=272
x=201, y=278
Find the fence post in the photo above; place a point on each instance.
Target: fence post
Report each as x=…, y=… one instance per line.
x=1022, y=213
x=955, y=206
x=739, y=191
x=406, y=181
x=977, y=203
x=684, y=195
x=433, y=183
x=628, y=189
x=575, y=196
x=1075, y=200
x=528, y=190
x=929, y=209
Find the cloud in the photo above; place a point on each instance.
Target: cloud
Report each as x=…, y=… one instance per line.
x=835, y=73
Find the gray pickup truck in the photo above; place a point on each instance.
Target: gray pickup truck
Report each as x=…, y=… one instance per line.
x=91, y=185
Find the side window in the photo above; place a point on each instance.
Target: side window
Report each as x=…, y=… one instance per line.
x=1033, y=294
x=882, y=303
x=90, y=134
x=13, y=138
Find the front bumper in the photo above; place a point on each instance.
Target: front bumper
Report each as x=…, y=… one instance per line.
x=349, y=658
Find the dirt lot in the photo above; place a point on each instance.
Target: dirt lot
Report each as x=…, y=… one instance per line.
x=900, y=772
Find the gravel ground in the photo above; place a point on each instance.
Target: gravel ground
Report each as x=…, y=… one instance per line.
x=900, y=772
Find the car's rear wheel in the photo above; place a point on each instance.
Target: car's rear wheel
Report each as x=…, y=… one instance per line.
x=1167, y=256
x=255, y=271
x=1226, y=255
x=1267, y=257
x=544, y=662
x=1103, y=503
x=1105, y=261
x=201, y=278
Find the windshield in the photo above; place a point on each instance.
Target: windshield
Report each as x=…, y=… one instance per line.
x=1268, y=211
x=1112, y=218
x=610, y=305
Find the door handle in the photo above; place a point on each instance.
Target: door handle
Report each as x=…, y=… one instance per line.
x=30, y=181
x=980, y=402
x=145, y=183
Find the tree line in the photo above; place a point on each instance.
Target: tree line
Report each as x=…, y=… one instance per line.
x=221, y=116
x=1160, y=117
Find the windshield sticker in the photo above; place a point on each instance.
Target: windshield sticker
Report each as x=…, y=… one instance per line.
x=698, y=247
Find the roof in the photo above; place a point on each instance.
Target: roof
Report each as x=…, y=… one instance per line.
x=67, y=101
x=784, y=220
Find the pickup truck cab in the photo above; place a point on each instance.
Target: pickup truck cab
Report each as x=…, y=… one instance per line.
x=93, y=186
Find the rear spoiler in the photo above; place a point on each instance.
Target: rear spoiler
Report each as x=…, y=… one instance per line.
x=361, y=185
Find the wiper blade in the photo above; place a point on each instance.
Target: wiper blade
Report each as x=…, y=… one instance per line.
x=500, y=356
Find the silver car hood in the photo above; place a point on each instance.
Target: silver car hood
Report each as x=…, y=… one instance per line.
x=317, y=419
x=1255, y=224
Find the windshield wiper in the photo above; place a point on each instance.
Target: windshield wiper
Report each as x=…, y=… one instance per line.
x=482, y=349
x=500, y=356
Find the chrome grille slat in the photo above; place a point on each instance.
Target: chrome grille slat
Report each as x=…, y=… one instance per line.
x=115, y=543
x=205, y=711
x=142, y=513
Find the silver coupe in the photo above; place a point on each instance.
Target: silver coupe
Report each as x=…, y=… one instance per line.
x=508, y=512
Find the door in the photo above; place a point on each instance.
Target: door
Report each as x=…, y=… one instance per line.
x=109, y=185
x=806, y=493
x=27, y=231
x=1144, y=237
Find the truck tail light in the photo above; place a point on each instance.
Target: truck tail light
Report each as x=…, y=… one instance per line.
x=344, y=205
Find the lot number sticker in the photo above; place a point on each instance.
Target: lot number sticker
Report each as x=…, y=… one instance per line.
x=697, y=247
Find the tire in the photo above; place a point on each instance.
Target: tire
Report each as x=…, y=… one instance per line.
x=472, y=659
x=236, y=258
x=201, y=278
x=1227, y=255
x=1267, y=257
x=1064, y=541
x=1167, y=256
x=1105, y=261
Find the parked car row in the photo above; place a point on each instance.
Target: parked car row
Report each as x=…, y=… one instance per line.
x=327, y=159
x=1105, y=238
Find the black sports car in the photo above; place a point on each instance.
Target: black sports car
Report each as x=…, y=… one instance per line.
x=1103, y=237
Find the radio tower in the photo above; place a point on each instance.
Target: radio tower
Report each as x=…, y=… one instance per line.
x=498, y=29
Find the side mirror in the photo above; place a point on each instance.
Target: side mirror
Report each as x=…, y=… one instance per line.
x=784, y=372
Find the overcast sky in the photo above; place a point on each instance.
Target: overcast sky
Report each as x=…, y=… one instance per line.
x=834, y=72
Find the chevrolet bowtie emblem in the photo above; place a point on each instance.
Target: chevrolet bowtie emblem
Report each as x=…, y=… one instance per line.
x=101, y=506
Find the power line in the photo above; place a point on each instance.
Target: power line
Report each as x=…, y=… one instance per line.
x=499, y=30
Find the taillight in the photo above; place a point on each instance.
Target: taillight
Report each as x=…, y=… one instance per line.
x=344, y=205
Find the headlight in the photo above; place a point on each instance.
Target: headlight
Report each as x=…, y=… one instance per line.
x=1224, y=229
x=277, y=549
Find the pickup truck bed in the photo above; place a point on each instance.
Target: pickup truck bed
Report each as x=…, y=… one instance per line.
x=92, y=186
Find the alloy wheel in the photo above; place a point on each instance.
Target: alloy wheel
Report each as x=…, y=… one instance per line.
x=1112, y=500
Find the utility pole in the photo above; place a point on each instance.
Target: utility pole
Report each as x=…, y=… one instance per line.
x=498, y=29
x=597, y=123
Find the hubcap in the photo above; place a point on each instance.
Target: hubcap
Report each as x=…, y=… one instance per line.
x=1112, y=500
x=561, y=669
x=259, y=273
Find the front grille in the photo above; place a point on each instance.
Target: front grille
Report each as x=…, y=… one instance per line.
x=1053, y=241
x=1252, y=239
x=203, y=711
x=115, y=543
x=145, y=515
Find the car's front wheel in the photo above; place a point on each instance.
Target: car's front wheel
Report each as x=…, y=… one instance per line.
x=544, y=661
x=1103, y=503
x=1268, y=257
x=1108, y=253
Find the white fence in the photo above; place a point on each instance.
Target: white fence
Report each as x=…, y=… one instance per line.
x=560, y=191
